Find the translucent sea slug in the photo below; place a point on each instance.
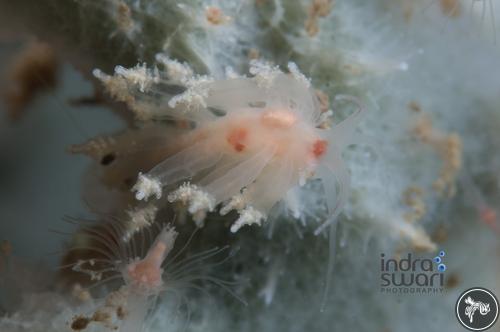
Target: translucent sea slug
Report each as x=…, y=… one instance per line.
x=251, y=141
x=137, y=271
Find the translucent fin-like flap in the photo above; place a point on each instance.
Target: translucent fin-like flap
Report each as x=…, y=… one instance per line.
x=240, y=176
x=185, y=164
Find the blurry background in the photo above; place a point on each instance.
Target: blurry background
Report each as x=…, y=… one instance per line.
x=37, y=174
x=404, y=59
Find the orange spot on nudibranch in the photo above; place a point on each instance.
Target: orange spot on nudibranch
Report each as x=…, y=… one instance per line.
x=319, y=147
x=237, y=137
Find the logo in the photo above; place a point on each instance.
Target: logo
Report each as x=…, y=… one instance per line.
x=477, y=309
x=412, y=275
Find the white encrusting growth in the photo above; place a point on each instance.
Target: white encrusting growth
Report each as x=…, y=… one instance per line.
x=140, y=76
x=194, y=98
x=237, y=202
x=116, y=86
x=248, y=216
x=264, y=73
x=146, y=187
x=176, y=71
x=198, y=201
x=297, y=74
x=138, y=219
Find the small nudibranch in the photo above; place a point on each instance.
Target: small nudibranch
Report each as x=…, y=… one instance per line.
x=137, y=270
x=255, y=138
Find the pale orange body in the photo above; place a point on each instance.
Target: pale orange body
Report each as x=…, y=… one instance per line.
x=148, y=271
x=247, y=132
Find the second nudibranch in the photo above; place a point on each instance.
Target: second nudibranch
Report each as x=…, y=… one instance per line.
x=146, y=273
